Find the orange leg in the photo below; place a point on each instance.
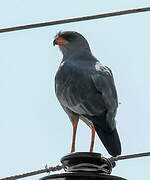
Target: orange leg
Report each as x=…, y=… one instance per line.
x=75, y=123
x=92, y=138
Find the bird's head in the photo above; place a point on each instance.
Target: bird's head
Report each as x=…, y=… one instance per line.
x=70, y=42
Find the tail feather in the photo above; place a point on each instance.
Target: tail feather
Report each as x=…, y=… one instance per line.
x=111, y=140
x=107, y=133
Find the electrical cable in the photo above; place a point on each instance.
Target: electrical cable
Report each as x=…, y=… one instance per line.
x=84, y=18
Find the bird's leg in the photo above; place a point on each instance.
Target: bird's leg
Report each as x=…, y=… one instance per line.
x=92, y=138
x=75, y=123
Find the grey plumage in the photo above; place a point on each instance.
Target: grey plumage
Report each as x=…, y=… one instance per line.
x=86, y=88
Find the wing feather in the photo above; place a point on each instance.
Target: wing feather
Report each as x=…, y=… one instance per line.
x=104, y=84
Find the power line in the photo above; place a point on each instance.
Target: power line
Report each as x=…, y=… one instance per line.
x=57, y=168
x=131, y=156
x=84, y=18
x=33, y=173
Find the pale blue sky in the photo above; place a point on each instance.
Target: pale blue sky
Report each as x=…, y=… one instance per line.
x=34, y=129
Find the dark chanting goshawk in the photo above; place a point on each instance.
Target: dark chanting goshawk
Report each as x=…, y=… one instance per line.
x=85, y=89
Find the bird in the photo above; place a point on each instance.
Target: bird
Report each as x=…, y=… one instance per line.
x=86, y=90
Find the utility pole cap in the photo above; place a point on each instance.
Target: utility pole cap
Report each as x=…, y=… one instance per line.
x=85, y=166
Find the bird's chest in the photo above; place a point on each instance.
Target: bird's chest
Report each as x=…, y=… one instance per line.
x=70, y=85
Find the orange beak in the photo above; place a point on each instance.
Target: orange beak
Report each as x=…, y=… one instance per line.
x=60, y=41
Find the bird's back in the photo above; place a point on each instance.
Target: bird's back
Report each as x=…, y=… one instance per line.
x=74, y=86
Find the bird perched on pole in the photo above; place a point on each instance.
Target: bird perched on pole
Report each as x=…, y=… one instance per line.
x=85, y=89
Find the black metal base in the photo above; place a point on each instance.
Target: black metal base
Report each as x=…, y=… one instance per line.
x=72, y=159
x=85, y=166
x=81, y=176
x=87, y=161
